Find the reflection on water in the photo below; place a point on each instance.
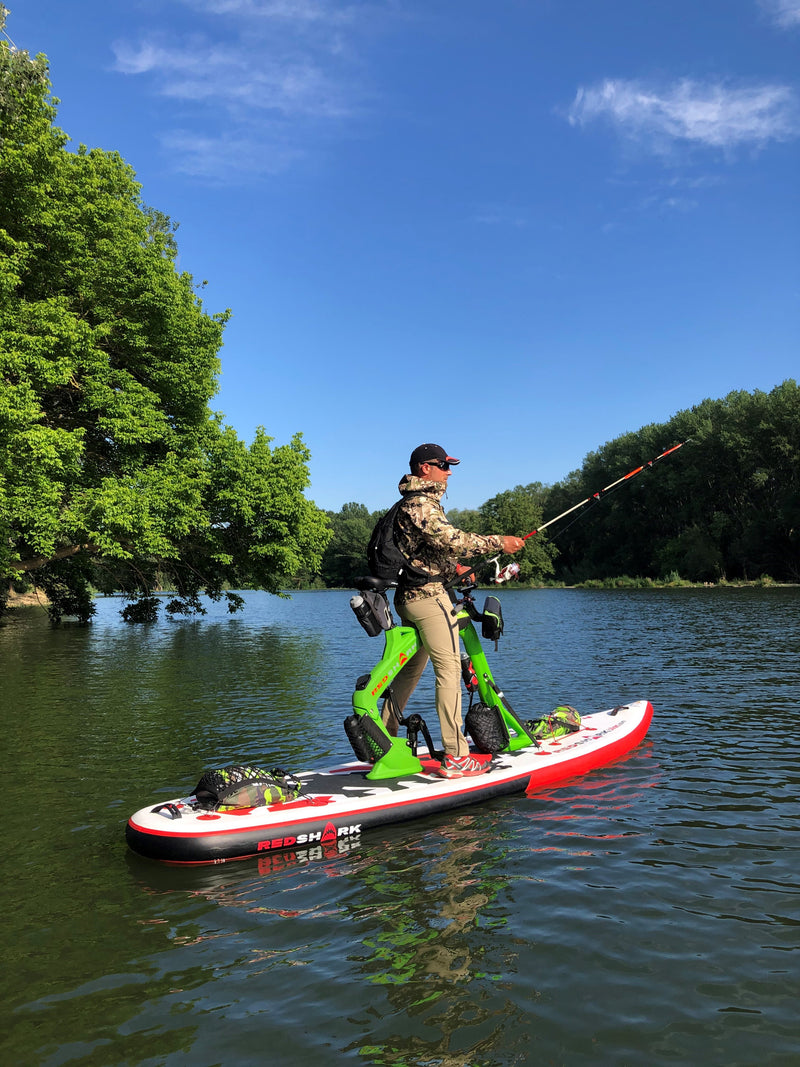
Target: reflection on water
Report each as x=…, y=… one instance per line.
x=647, y=913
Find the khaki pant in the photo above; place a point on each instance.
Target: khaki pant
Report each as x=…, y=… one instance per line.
x=438, y=631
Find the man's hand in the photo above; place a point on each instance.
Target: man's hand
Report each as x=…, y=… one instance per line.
x=512, y=545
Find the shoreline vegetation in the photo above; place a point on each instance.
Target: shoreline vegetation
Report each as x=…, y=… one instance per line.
x=35, y=598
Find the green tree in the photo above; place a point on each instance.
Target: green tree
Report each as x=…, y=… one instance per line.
x=114, y=471
x=519, y=511
x=467, y=519
x=345, y=558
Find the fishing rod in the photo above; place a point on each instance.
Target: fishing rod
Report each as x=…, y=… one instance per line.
x=511, y=570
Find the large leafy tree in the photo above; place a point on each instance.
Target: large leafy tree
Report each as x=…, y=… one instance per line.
x=114, y=471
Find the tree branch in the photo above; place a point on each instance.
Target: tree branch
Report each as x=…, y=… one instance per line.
x=39, y=561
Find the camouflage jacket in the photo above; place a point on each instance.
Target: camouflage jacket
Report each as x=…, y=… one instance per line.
x=427, y=539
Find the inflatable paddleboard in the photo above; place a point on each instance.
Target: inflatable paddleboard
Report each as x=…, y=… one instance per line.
x=340, y=804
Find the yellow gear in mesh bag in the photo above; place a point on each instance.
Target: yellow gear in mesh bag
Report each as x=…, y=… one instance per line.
x=239, y=786
x=561, y=721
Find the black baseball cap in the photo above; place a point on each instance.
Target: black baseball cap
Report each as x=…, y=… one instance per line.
x=429, y=453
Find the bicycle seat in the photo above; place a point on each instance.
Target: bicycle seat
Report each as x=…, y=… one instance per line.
x=377, y=585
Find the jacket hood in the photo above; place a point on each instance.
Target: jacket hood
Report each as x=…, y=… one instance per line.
x=410, y=483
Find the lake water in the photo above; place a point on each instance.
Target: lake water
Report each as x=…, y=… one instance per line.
x=648, y=913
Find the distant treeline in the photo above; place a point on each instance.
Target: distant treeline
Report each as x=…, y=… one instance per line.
x=724, y=507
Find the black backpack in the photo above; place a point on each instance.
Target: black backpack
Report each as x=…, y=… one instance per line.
x=384, y=558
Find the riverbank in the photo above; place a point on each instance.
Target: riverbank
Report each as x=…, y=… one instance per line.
x=626, y=582
x=26, y=600
x=37, y=599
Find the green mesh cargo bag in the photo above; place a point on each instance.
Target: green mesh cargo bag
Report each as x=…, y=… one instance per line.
x=236, y=786
x=561, y=721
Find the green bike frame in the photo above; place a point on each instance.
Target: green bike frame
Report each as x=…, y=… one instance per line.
x=401, y=644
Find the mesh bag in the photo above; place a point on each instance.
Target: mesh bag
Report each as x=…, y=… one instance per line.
x=237, y=786
x=561, y=721
x=486, y=728
x=368, y=740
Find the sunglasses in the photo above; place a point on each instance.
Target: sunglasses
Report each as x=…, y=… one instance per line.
x=441, y=466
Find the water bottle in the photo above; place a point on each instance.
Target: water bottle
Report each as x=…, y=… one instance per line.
x=365, y=615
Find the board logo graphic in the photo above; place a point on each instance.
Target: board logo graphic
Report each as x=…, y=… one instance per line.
x=325, y=836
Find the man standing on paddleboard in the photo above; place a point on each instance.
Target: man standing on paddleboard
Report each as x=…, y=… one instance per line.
x=431, y=544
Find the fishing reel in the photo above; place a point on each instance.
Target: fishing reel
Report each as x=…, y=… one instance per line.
x=509, y=573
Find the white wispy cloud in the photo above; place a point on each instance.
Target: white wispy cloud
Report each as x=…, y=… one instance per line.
x=327, y=12
x=678, y=192
x=268, y=76
x=226, y=76
x=228, y=157
x=707, y=114
x=785, y=12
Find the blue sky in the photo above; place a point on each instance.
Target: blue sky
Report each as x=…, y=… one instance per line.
x=519, y=228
